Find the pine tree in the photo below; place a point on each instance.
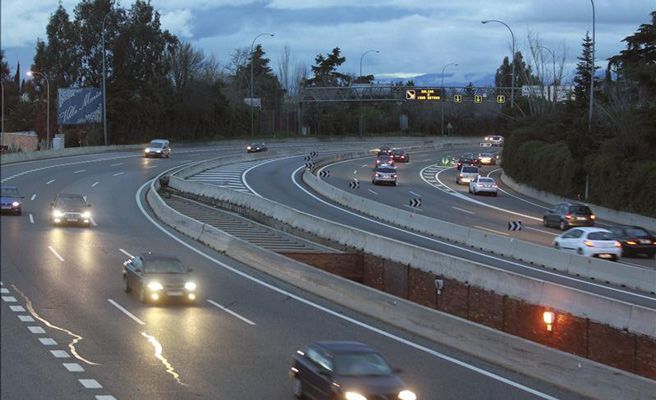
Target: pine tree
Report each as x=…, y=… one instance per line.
x=582, y=78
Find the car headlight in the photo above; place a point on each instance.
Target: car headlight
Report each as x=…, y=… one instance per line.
x=15, y=204
x=248, y=147
x=407, y=395
x=354, y=396
x=86, y=214
x=190, y=286
x=146, y=150
x=57, y=213
x=155, y=286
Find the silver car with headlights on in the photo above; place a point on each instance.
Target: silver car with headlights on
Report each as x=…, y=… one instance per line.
x=70, y=208
x=156, y=278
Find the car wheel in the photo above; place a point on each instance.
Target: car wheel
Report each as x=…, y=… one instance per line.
x=126, y=285
x=563, y=226
x=19, y=212
x=544, y=221
x=579, y=251
x=297, y=387
x=394, y=183
x=615, y=258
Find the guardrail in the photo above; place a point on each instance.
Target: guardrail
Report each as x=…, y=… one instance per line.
x=643, y=279
x=568, y=371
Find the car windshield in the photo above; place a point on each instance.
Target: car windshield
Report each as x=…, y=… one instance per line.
x=600, y=236
x=637, y=232
x=398, y=152
x=386, y=170
x=156, y=145
x=580, y=210
x=163, y=266
x=9, y=192
x=70, y=202
x=486, y=180
x=470, y=170
x=361, y=364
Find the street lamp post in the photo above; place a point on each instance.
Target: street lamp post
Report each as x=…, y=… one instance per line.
x=443, y=97
x=104, y=77
x=31, y=74
x=592, y=70
x=512, y=89
x=252, y=62
x=361, y=116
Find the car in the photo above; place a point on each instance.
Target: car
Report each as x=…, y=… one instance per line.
x=256, y=147
x=590, y=242
x=494, y=140
x=487, y=159
x=384, y=151
x=384, y=173
x=567, y=215
x=158, y=277
x=158, y=148
x=466, y=174
x=468, y=159
x=70, y=208
x=385, y=159
x=400, y=155
x=635, y=240
x=11, y=200
x=483, y=184
x=345, y=370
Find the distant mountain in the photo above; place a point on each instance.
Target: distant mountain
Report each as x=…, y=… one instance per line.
x=435, y=80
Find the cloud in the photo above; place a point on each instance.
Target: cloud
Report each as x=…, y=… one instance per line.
x=178, y=22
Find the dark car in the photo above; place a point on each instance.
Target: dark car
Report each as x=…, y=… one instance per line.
x=69, y=208
x=256, y=147
x=345, y=370
x=384, y=151
x=11, y=200
x=567, y=215
x=157, y=277
x=635, y=240
x=468, y=159
x=400, y=155
x=385, y=159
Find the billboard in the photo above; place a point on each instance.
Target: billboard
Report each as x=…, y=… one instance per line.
x=79, y=106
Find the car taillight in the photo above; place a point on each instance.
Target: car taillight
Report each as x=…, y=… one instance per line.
x=630, y=242
x=568, y=216
x=588, y=243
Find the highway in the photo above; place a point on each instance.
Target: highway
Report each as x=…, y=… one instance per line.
x=69, y=331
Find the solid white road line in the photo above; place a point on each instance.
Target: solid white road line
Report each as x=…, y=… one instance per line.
x=90, y=383
x=93, y=222
x=56, y=254
x=413, y=208
x=539, y=230
x=126, y=312
x=31, y=219
x=48, y=341
x=119, y=173
x=25, y=318
x=491, y=230
x=463, y=210
x=17, y=308
x=125, y=252
x=234, y=314
x=336, y=314
x=73, y=367
x=37, y=330
x=79, y=171
x=94, y=184
x=372, y=191
x=60, y=354
x=414, y=194
x=50, y=181
x=33, y=197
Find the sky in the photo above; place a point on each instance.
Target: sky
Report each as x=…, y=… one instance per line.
x=413, y=37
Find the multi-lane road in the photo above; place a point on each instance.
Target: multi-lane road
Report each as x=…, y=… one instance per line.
x=69, y=331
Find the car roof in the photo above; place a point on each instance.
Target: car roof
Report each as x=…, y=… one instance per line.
x=156, y=256
x=337, y=347
x=158, y=140
x=590, y=229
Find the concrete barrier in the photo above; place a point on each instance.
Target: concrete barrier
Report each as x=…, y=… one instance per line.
x=570, y=372
x=638, y=278
x=10, y=158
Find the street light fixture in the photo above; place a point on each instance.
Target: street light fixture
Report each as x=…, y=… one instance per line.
x=31, y=74
x=104, y=77
x=361, y=116
x=252, y=62
x=512, y=89
x=443, y=96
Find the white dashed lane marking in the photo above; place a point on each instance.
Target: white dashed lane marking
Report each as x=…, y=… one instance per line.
x=50, y=181
x=105, y=397
x=33, y=197
x=56, y=254
x=116, y=165
x=234, y=314
x=59, y=354
x=94, y=184
x=463, y=210
x=37, y=330
x=372, y=191
x=31, y=219
x=79, y=171
x=17, y=308
x=126, y=312
x=48, y=341
x=9, y=299
x=73, y=367
x=90, y=384
x=25, y=318
x=119, y=173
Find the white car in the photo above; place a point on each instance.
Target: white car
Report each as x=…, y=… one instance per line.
x=483, y=184
x=384, y=173
x=590, y=242
x=466, y=174
x=158, y=148
x=494, y=140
